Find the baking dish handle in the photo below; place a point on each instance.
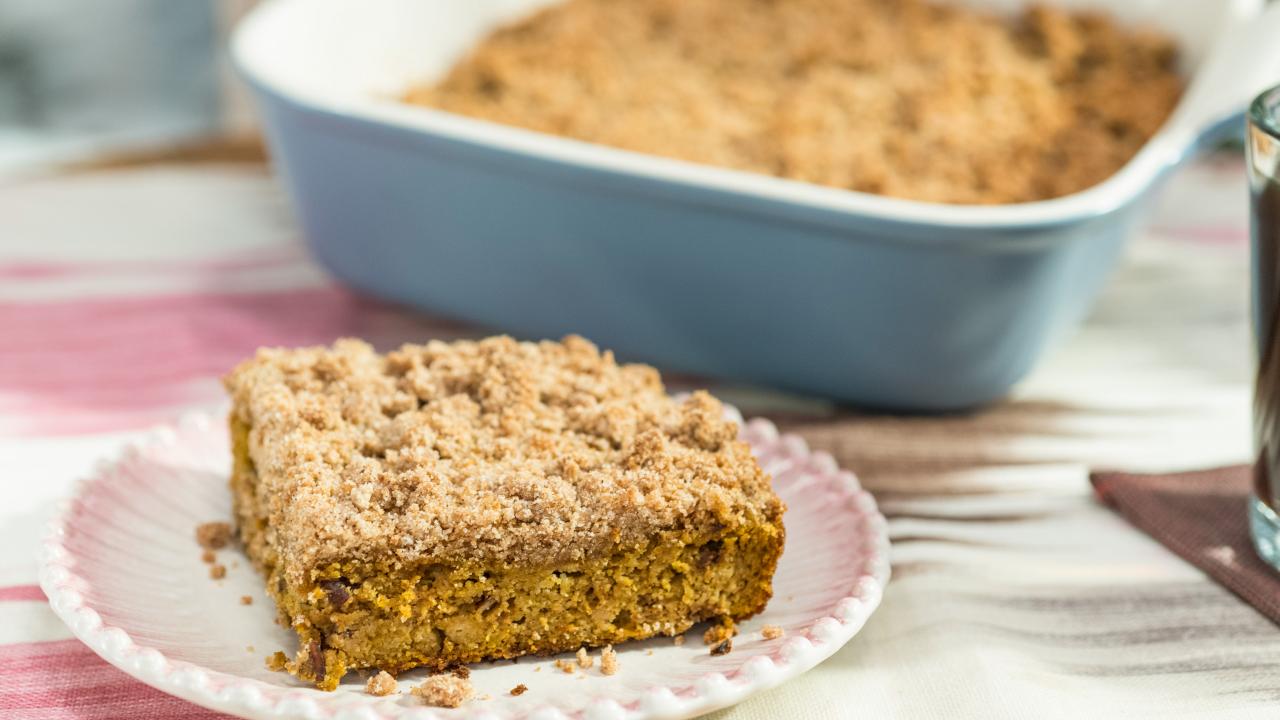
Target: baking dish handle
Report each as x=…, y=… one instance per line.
x=1244, y=62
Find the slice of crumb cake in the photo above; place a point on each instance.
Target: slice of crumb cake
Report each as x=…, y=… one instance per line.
x=454, y=502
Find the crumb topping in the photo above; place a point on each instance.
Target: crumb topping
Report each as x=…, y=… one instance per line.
x=486, y=451
x=933, y=101
x=447, y=691
x=381, y=684
x=608, y=660
x=213, y=535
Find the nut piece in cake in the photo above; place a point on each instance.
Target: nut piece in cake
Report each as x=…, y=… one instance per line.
x=410, y=509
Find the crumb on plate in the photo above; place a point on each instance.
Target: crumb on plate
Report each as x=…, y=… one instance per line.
x=276, y=661
x=447, y=691
x=772, y=632
x=608, y=660
x=217, y=572
x=213, y=535
x=461, y=671
x=519, y=689
x=723, y=648
x=584, y=660
x=565, y=666
x=678, y=640
x=720, y=630
x=209, y=557
x=381, y=684
x=246, y=599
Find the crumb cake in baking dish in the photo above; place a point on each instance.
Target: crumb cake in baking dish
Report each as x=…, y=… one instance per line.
x=450, y=503
x=935, y=101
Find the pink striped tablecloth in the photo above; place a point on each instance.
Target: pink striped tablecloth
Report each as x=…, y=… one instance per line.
x=124, y=295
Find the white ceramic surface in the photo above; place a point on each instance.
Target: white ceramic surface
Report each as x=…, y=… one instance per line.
x=122, y=568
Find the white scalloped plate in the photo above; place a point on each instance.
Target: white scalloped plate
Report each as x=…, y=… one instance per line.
x=122, y=568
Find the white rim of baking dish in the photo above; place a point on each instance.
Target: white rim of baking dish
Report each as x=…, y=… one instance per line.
x=826, y=631
x=1242, y=60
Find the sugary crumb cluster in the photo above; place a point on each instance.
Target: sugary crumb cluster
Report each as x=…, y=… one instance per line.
x=909, y=98
x=493, y=451
x=447, y=691
x=381, y=684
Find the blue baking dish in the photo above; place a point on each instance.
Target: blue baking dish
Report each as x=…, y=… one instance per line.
x=869, y=300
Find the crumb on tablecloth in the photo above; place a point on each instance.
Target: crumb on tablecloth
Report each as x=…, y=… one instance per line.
x=584, y=660
x=771, y=632
x=608, y=660
x=447, y=691
x=381, y=684
x=217, y=572
x=213, y=535
x=724, y=648
x=519, y=689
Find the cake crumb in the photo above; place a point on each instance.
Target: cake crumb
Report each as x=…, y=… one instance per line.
x=537, y=668
x=721, y=630
x=723, y=648
x=584, y=660
x=608, y=660
x=381, y=684
x=565, y=666
x=447, y=691
x=771, y=632
x=648, y=652
x=249, y=648
x=276, y=661
x=678, y=640
x=246, y=599
x=520, y=689
x=213, y=535
x=461, y=671
x=209, y=557
x=217, y=572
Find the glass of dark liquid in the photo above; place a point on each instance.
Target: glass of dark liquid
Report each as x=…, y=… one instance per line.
x=1263, y=148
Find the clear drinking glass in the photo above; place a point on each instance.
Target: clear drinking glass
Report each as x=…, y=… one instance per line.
x=1263, y=148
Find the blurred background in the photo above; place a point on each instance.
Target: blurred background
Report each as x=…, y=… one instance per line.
x=79, y=77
